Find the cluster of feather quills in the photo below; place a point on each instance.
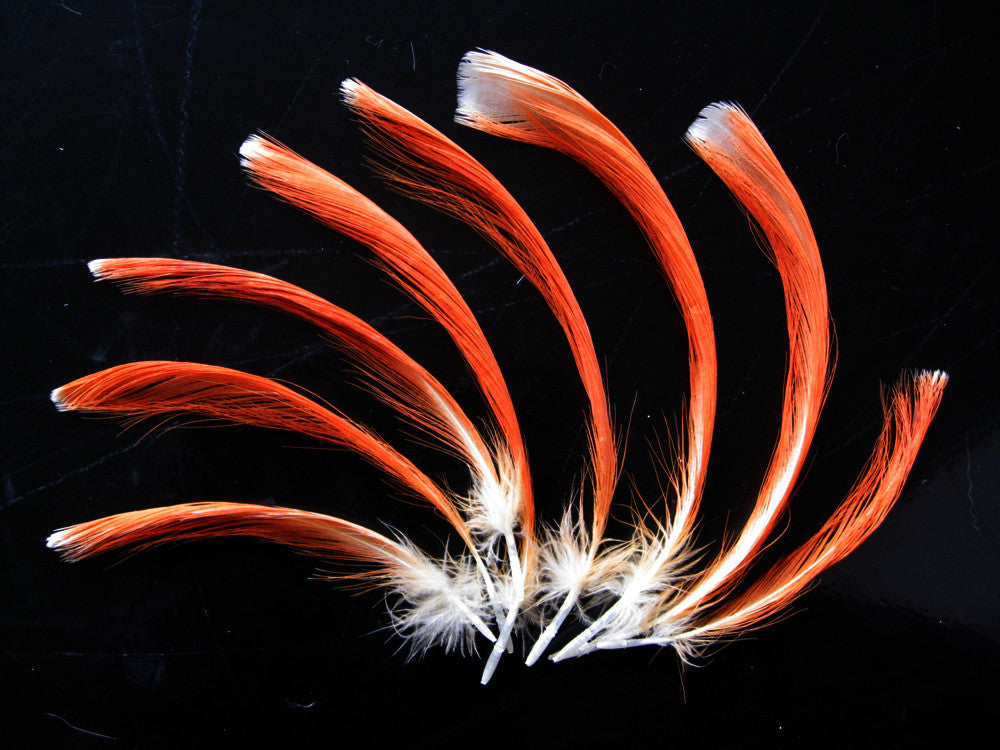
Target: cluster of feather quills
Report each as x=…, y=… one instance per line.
x=511, y=573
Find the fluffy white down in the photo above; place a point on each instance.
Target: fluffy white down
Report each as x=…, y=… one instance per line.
x=436, y=604
x=632, y=580
x=491, y=510
x=565, y=557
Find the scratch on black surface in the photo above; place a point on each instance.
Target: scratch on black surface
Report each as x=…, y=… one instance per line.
x=836, y=149
x=221, y=652
x=630, y=321
x=288, y=109
x=864, y=172
x=876, y=341
x=309, y=352
x=939, y=321
x=968, y=478
x=319, y=58
x=954, y=365
x=62, y=4
x=774, y=83
x=304, y=706
x=112, y=165
x=665, y=103
x=741, y=390
x=69, y=475
x=850, y=90
x=678, y=172
x=147, y=79
x=947, y=314
x=147, y=87
x=80, y=729
x=884, y=206
x=788, y=63
x=573, y=222
x=180, y=158
x=495, y=260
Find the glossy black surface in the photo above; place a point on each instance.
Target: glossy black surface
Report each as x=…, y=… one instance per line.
x=120, y=126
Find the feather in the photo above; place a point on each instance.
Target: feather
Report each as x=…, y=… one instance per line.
x=909, y=410
x=499, y=96
x=505, y=98
x=724, y=136
x=440, y=604
x=428, y=166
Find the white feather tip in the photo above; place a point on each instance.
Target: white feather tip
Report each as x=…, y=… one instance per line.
x=57, y=398
x=933, y=377
x=349, y=89
x=712, y=123
x=254, y=147
x=484, y=80
x=97, y=268
x=57, y=539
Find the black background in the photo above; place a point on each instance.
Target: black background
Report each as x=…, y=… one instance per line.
x=119, y=127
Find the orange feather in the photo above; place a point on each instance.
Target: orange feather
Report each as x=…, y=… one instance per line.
x=736, y=151
x=425, y=587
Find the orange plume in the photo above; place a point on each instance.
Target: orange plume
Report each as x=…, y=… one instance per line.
x=731, y=145
x=440, y=601
x=320, y=536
